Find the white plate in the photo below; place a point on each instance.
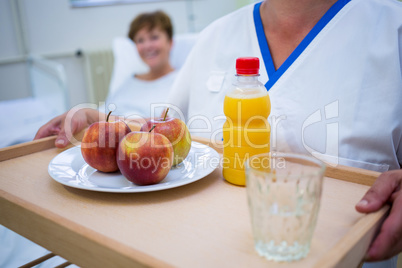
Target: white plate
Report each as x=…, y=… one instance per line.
x=69, y=168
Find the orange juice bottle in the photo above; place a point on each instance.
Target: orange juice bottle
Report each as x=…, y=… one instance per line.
x=246, y=131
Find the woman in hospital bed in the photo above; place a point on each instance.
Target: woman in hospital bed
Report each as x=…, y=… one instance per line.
x=139, y=95
x=152, y=34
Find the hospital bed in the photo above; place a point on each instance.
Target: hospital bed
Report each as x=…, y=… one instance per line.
x=49, y=87
x=21, y=118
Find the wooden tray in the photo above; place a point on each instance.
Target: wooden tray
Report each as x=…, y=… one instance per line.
x=203, y=224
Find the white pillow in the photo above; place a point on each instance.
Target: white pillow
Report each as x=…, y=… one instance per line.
x=127, y=61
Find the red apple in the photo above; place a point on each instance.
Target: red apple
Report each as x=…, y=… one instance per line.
x=145, y=158
x=100, y=142
x=177, y=133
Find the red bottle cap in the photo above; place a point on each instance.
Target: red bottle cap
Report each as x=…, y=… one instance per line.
x=247, y=65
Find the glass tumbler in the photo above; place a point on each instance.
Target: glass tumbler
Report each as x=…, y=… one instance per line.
x=284, y=192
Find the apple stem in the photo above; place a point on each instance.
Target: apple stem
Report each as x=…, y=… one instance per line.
x=164, y=118
x=107, y=117
x=152, y=128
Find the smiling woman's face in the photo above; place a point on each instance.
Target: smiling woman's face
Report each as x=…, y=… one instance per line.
x=153, y=47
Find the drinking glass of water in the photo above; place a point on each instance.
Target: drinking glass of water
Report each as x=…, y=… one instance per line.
x=284, y=192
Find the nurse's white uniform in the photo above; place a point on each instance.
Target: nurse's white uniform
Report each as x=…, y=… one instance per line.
x=338, y=96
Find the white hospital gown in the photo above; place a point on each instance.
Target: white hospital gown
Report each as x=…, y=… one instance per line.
x=338, y=96
x=137, y=98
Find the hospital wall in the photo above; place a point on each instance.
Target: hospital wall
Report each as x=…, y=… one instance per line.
x=53, y=29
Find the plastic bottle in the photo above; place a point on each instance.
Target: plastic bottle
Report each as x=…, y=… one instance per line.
x=246, y=131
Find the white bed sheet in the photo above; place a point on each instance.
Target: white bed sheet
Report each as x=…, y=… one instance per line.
x=20, y=119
